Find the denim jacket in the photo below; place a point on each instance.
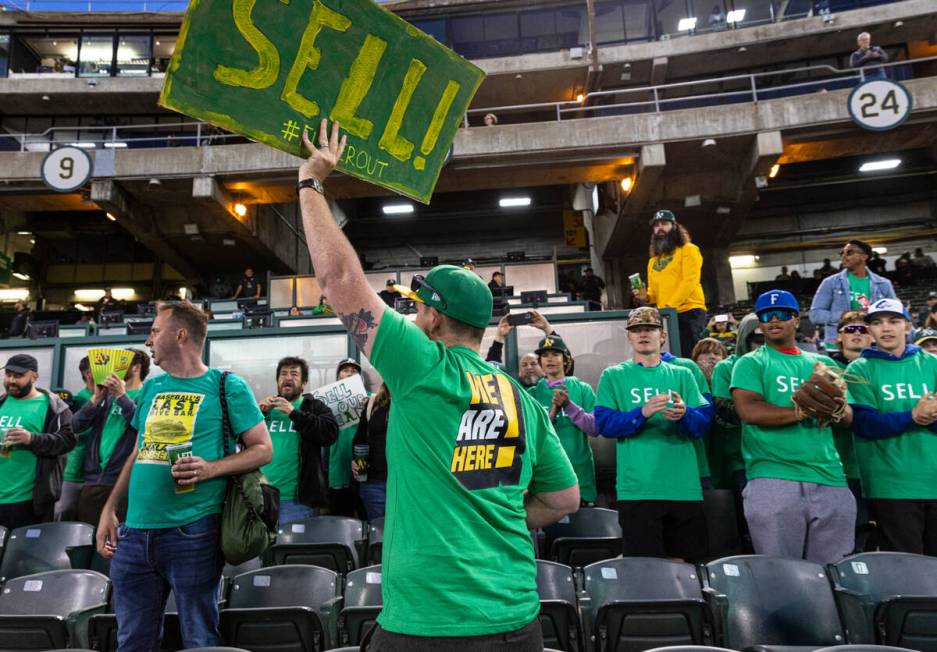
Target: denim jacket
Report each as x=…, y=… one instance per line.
x=832, y=299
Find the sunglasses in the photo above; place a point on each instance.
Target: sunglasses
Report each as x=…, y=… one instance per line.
x=779, y=314
x=853, y=329
x=419, y=281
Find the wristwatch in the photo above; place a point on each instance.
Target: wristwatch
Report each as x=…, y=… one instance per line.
x=311, y=182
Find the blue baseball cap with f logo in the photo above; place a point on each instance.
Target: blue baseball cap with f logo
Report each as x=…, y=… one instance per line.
x=775, y=299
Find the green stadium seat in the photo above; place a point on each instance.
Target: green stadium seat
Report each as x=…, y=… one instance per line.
x=375, y=540
x=291, y=608
x=771, y=604
x=50, y=609
x=888, y=598
x=361, y=605
x=586, y=536
x=327, y=541
x=722, y=523
x=45, y=547
x=559, y=615
x=637, y=603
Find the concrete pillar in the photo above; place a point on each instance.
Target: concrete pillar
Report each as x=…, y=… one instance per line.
x=717, y=277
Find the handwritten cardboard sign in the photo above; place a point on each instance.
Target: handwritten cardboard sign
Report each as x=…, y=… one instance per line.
x=345, y=398
x=268, y=68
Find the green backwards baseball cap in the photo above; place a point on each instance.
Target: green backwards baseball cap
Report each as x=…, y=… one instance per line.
x=552, y=343
x=455, y=292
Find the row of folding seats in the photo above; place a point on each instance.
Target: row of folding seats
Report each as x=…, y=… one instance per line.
x=335, y=542
x=746, y=602
x=743, y=602
x=344, y=544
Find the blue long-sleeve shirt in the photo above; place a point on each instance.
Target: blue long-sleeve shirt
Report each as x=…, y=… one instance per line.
x=616, y=424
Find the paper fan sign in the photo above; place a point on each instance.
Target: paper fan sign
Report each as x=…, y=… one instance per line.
x=105, y=362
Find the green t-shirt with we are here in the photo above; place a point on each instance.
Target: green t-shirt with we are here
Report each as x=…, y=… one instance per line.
x=902, y=467
x=800, y=452
x=659, y=462
x=464, y=444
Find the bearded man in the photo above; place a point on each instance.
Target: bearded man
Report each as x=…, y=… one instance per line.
x=673, y=277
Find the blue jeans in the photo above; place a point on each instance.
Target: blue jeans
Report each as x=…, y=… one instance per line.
x=292, y=510
x=374, y=496
x=148, y=564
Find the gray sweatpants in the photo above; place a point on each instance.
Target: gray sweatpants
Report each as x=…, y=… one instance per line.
x=800, y=520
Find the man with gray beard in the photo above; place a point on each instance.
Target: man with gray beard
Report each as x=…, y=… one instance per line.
x=673, y=277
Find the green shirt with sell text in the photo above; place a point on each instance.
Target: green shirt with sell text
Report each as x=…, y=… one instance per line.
x=18, y=468
x=283, y=470
x=659, y=462
x=905, y=466
x=800, y=452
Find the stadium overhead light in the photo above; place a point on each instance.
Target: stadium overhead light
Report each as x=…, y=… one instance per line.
x=14, y=294
x=627, y=184
x=774, y=170
x=111, y=217
x=397, y=209
x=580, y=98
x=884, y=164
x=743, y=261
x=24, y=233
x=240, y=209
x=21, y=276
x=513, y=202
x=735, y=16
x=93, y=294
x=83, y=145
x=115, y=145
x=881, y=251
x=686, y=24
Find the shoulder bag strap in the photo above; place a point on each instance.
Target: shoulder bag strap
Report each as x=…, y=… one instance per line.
x=225, y=438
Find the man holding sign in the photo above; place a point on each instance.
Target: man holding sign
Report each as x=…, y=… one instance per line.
x=473, y=462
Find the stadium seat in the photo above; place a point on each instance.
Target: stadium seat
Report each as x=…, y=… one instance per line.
x=690, y=648
x=289, y=608
x=589, y=535
x=635, y=603
x=47, y=610
x=889, y=598
x=722, y=524
x=559, y=617
x=864, y=648
x=375, y=540
x=327, y=541
x=770, y=603
x=45, y=547
x=214, y=649
x=362, y=604
x=3, y=540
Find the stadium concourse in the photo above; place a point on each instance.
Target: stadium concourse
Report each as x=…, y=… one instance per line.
x=616, y=331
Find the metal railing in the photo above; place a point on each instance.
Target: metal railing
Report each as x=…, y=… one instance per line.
x=657, y=99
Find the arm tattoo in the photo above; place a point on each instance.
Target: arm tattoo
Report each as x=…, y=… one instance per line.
x=360, y=325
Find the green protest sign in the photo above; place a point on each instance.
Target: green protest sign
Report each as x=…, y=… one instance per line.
x=268, y=68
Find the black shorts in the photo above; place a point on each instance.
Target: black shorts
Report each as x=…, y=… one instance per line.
x=673, y=529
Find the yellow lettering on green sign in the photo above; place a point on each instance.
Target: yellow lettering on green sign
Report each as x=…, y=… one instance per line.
x=435, y=125
x=391, y=140
x=309, y=56
x=356, y=87
x=268, y=64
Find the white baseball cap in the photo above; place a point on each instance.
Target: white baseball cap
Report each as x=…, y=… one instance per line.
x=887, y=307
